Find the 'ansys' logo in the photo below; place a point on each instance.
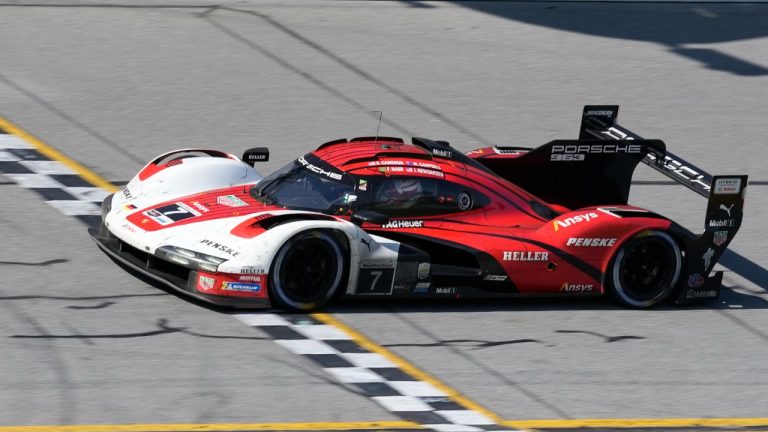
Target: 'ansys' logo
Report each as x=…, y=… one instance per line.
x=565, y=223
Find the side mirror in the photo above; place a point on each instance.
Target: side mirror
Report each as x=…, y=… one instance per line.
x=368, y=216
x=256, y=154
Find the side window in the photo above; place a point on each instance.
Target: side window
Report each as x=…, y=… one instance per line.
x=419, y=196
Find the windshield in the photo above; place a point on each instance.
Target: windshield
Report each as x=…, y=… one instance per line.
x=307, y=183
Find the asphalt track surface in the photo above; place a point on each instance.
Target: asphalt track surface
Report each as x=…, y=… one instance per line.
x=111, y=85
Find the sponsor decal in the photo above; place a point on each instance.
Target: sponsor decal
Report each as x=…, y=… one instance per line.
x=128, y=227
x=607, y=113
x=707, y=257
x=575, y=153
x=158, y=217
x=237, y=286
x=200, y=207
x=349, y=198
x=423, y=271
x=317, y=170
x=692, y=293
x=495, y=278
x=525, y=256
x=695, y=280
x=727, y=186
x=565, y=223
x=404, y=224
x=249, y=278
x=387, y=264
x=230, y=201
x=591, y=242
x=576, y=288
x=421, y=287
x=442, y=153
x=446, y=290
x=721, y=223
x=127, y=194
x=218, y=246
x=363, y=185
x=252, y=270
x=720, y=237
x=205, y=283
x=727, y=209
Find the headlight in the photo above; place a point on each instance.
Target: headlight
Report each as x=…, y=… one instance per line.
x=188, y=258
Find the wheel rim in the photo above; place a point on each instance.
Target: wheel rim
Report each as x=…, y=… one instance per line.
x=308, y=270
x=647, y=269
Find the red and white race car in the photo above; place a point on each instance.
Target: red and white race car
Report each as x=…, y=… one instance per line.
x=375, y=216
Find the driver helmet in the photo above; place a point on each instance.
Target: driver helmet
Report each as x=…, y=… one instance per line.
x=401, y=189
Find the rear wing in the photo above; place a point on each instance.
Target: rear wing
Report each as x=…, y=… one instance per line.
x=725, y=204
x=599, y=122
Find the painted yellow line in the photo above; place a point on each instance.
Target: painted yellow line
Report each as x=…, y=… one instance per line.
x=50, y=152
x=218, y=427
x=636, y=423
x=405, y=366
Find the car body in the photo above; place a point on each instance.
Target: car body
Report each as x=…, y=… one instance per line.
x=378, y=217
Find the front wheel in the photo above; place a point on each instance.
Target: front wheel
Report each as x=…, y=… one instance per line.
x=645, y=270
x=307, y=271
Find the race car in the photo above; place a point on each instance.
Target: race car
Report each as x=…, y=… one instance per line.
x=375, y=217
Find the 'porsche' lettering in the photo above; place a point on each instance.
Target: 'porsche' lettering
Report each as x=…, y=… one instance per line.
x=576, y=152
x=317, y=170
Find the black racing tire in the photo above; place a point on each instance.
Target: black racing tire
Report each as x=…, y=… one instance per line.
x=645, y=270
x=307, y=271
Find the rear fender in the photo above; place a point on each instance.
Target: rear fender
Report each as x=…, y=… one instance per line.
x=588, y=238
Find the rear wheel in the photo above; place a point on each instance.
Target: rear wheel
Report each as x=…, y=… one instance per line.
x=645, y=270
x=307, y=271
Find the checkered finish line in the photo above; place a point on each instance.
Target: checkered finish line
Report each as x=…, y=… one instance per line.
x=369, y=374
x=59, y=186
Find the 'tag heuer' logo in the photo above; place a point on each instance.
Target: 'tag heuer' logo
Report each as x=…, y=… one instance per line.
x=565, y=223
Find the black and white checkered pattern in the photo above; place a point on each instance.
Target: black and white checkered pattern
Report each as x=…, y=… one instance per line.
x=60, y=187
x=369, y=373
